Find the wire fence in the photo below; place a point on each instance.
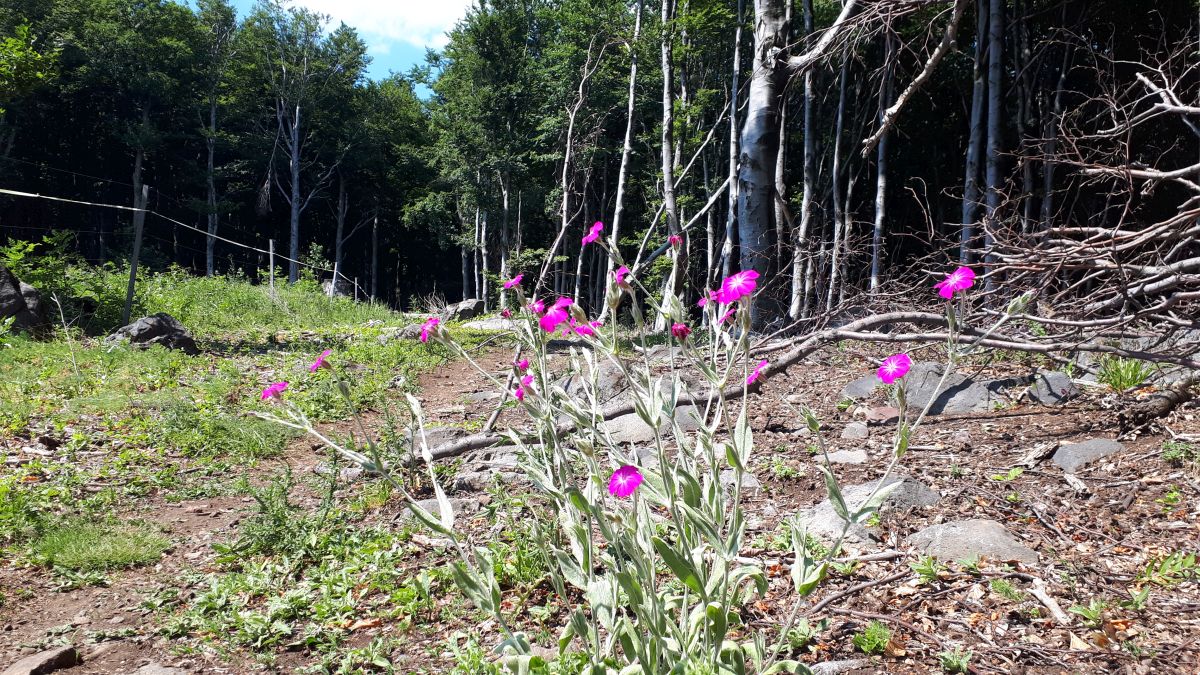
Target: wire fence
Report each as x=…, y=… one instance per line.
x=269, y=253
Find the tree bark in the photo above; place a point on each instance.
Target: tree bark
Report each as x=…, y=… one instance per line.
x=994, y=121
x=885, y=95
x=627, y=146
x=731, y=215
x=759, y=144
x=295, y=144
x=504, y=181
x=839, y=229
x=975, y=137
x=210, y=144
x=668, y=164
x=799, y=306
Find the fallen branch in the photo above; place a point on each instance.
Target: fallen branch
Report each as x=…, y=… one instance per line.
x=1160, y=404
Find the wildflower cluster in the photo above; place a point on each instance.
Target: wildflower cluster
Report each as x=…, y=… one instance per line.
x=624, y=515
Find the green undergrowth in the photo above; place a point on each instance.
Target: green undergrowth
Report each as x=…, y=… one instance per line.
x=81, y=546
x=121, y=422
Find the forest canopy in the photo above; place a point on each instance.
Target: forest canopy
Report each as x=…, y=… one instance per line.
x=839, y=149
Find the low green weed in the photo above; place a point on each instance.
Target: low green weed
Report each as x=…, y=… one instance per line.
x=1122, y=374
x=1007, y=590
x=1093, y=613
x=873, y=639
x=956, y=660
x=82, y=546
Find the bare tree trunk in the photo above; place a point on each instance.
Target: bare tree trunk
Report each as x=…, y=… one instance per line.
x=343, y=206
x=375, y=258
x=476, y=266
x=675, y=280
x=1050, y=144
x=760, y=142
x=210, y=143
x=709, y=223
x=836, y=178
x=468, y=275
x=970, y=203
x=885, y=95
x=294, y=144
x=731, y=215
x=799, y=306
x=504, y=180
x=995, y=111
x=627, y=147
x=483, y=256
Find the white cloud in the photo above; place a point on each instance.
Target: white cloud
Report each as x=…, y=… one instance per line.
x=421, y=23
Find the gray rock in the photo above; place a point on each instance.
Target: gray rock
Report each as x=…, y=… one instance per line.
x=848, y=457
x=749, y=482
x=467, y=309
x=45, y=662
x=22, y=302
x=156, y=669
x=631, y=429
x=860, y=388
x=610, y=382
x=492, y=323
x=346, y=474
x=460, y=505
x=975, y=538
x=156, y=329
x=839, y=667
x=410, y=332
x=482, y=396
x=959, y=394
x=822, y=521
x=1053, y=388
x=856, y=431
x=1074, y=456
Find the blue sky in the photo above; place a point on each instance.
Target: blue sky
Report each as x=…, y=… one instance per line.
x=397, y=32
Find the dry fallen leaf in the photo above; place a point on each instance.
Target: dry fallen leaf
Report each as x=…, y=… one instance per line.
x=1077, y=644
x=372, y=622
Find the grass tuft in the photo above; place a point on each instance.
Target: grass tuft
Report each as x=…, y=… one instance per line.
x=82, y=547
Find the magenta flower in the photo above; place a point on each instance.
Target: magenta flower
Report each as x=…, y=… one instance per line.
x=274, y=390
x=428, y=327
x=757, y=372
x=594, y=233
x=621, y=276
x=894, y=367
x=674, y=240
x=588, y=329
x=624, y=481
x=680, y=331
x=537, y=307
x=515, y=281
x=728, y=313
x=736, y=286
x=555, y=315
x=506, y=313
x=959, y=280
x=320, y=362
x=702, y=301
x=522, y=365
x=523, y=387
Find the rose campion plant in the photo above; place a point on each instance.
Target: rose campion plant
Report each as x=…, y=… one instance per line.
x=624, y=516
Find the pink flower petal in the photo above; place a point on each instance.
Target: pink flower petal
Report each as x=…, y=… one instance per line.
x=428, y=327
x=320, y=362
x=624, y=481
x=894, y=367
x=515, y=281
x=594, y=233
x=681, y=331
x=757, y=372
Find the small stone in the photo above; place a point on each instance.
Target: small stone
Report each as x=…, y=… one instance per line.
x=494, y=323
x=1075, y=456
x=860, y=388
x=460, y=506
x=839, y=667
x=882, y=415
x=847, y=457
x=631, y=429
x=749, y=482
x=855, y=431
x=822, y=520
x=1053, y=388
x=451, y=410
x=975, y=538
x=156, y=669
x=45, y=662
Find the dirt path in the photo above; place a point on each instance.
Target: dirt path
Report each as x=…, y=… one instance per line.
x=1095, y=539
